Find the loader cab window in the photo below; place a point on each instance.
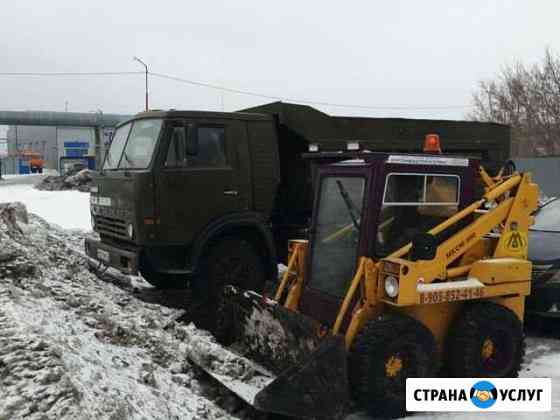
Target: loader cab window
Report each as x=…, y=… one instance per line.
x=412, y=204
x=337, y=232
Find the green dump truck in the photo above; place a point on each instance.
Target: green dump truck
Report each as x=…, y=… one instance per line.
x=213, y=197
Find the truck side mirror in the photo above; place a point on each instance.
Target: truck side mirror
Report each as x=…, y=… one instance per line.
x=424, y=247
x=192, y=141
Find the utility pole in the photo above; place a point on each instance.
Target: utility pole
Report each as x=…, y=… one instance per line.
x=146, y=67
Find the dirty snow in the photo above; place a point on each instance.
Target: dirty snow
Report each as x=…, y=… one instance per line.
x=74, y=179
x=240, y=375
x=74, y=346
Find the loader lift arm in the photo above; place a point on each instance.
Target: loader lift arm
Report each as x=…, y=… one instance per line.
x=513, y=212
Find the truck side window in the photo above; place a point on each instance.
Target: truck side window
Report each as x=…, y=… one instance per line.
x=412, y=204
x=211, y=150
x=176, y=151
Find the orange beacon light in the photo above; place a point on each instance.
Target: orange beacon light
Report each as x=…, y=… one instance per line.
x=431, y=144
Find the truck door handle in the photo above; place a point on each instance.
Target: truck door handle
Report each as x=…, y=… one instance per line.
x=231, y=192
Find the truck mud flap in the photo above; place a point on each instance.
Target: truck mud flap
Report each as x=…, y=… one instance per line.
x=274, y=359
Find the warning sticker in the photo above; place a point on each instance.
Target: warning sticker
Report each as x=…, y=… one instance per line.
x=516, y=241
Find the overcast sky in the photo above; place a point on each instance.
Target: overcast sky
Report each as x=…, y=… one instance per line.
x=369, y=53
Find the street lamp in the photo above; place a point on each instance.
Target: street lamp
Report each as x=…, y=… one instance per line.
x=146, y=67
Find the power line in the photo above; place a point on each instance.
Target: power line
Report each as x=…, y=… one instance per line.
x=234, y=90
x=303, y=101
x=56, y=74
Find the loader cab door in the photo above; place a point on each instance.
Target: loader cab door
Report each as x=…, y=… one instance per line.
x=336, y=238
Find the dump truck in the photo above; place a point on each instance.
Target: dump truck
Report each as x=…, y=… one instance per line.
x=212, y=198
x=406, y=272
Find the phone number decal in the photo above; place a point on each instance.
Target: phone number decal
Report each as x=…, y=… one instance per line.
x=451, y=295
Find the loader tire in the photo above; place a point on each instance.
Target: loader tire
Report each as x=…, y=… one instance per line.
x=486, y=341
x=387, y=351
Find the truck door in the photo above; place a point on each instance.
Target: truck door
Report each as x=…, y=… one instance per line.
x=201, y=177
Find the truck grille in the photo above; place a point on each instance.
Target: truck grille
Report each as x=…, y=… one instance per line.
x=111, y=226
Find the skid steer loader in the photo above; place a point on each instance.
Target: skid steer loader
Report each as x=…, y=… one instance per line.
x=406, y=273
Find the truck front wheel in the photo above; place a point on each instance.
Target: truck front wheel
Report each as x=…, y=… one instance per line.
x=230, y=261
x=233, y=262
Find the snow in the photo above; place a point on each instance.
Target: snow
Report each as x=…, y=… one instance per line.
x=67, y=209
x=74, y=346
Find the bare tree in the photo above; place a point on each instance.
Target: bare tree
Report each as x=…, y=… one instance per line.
x=528, y=99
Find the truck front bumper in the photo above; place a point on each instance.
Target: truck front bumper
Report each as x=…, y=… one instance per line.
x=124, y=260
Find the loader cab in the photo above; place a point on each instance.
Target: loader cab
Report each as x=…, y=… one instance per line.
x=372, y=204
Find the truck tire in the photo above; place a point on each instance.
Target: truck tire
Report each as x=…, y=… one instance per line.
x=387, y=351
x=230, y=261
x=486, y=341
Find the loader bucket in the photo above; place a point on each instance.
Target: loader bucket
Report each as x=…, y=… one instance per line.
x=275, y=361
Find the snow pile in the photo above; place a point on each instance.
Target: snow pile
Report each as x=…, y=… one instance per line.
x=74, y=346
x=75, y=179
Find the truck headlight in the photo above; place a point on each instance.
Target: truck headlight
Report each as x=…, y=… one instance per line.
x=391, y=286
x=130, y=230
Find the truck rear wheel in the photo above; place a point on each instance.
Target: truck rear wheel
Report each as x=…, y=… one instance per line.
x=485, y=341
x=386, y=352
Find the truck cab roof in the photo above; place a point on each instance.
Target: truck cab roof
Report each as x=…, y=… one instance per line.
x=172, y=113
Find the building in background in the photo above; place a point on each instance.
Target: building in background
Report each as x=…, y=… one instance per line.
x=57, y=137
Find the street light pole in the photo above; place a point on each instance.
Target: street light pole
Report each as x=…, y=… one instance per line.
x=146, y=67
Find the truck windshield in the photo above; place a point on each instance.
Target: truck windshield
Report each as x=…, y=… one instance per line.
x=133, y=145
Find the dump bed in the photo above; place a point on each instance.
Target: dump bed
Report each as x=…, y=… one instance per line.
x=301, y=125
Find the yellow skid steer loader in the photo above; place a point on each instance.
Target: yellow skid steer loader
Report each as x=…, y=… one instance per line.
x=409, y=267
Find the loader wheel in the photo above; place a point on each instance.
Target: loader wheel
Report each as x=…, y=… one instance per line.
x=485, y=341
x=386, y=352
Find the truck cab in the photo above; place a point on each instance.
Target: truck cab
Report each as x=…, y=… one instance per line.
x=188, y=192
